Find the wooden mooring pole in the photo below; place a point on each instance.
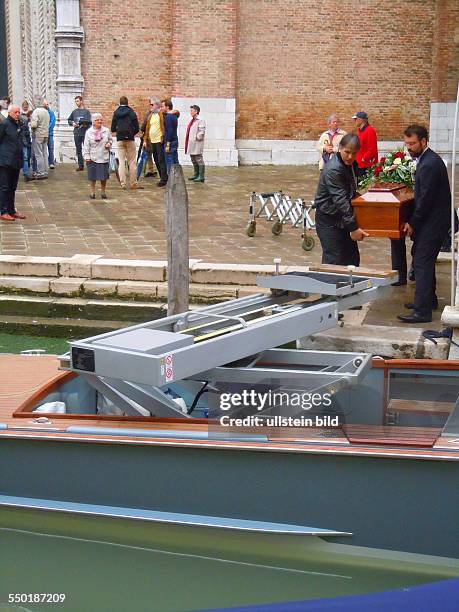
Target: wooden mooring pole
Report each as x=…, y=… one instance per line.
x=176, y=200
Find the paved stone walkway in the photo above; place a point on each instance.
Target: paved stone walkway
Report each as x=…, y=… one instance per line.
x=62, y=220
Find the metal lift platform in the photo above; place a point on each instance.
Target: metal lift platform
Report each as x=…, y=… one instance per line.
x=233, y=341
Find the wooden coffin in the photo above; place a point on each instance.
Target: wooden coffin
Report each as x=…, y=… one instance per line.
x=383, y=210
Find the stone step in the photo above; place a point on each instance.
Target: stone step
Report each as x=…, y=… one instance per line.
x=78, y=308
x=80, y=287
x=98, y=268
x=381, y=340
x=58, y=327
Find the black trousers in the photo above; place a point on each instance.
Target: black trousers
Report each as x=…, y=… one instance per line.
x=338, y=248
x=8, y=183
x=78, y=137
x=427, y=247
x=160, y=161
x=398, y=256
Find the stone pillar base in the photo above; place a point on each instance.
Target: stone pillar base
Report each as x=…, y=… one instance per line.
x=220, y=117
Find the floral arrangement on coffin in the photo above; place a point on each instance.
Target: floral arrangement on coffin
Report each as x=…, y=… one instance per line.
x=396, y=167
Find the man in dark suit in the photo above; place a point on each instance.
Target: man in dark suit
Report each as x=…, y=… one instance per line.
x=429, y=222
x=10, y=163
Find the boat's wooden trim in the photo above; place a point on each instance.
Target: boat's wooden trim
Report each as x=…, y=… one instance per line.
x=25, y=409
x=416, y=364
x=392, y=435
x=333, y=269
x=419, y=406
x=48, y=387
x=32, y=375
x=441, y=454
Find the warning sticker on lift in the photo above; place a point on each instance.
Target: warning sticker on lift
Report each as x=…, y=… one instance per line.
x=167, y=367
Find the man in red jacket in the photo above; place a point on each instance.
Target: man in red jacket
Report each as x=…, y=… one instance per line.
x=368, y=154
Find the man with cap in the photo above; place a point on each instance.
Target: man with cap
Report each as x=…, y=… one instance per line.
x=368, y=154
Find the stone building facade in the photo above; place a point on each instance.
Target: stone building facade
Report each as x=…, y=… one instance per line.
x=266, y=73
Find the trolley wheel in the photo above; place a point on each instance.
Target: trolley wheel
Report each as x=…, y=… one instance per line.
x=277, y=228
x=308, y=243
x=251, y=229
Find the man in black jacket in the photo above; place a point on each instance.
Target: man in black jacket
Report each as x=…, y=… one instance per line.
x=336, y=226
x=429, y=222
x=10, y=163
x=80, y=120
x=126, y=125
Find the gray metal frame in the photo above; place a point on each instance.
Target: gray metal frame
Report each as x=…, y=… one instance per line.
x=128, y=365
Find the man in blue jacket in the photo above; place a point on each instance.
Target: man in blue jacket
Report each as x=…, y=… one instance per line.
x=52, y=123
x=170, y=134
x=429, y=222
x=10, y=163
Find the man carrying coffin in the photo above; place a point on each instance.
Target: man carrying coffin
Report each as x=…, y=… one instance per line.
x=336, y=225
x=429, y=222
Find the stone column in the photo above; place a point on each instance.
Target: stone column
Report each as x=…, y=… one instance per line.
x=69, y=37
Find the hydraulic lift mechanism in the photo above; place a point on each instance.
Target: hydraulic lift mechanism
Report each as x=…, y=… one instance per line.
x=233, y=342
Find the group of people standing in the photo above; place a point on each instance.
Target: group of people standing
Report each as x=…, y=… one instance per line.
x=159, y=142
x=26, y=142
x=345, y=157
x=37, y=134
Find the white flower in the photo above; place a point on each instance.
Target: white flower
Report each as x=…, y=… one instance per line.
x=408, y=157
x=397, y=161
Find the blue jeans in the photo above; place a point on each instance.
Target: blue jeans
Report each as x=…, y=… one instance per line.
x=172, y=156
x=51, y=149
x=26, y=155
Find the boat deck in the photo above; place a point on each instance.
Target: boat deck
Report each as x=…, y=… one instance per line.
x=23, y=375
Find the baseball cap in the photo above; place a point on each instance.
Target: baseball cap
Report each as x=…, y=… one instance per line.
x=360, y=115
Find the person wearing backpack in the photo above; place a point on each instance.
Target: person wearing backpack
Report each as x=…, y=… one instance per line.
x=126, y=125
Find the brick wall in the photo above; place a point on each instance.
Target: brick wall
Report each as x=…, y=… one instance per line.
x=127, y=51
x=289, y=63
x=294, y=68
x=204, y=48
x=445, y=61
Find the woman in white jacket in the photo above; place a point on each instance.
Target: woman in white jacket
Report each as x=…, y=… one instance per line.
x=194, y=143
x=96, y=152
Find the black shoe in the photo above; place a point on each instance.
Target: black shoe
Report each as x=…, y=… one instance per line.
x=413, y=318
x=400, y=282
x=410, y=306
x=149, y=174
x=103, y=196
x=411, y=275
x=162, y=183
x=92, y=196
x=28, y=178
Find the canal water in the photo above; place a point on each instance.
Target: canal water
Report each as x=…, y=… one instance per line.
x=131, y=574
x=15, y=343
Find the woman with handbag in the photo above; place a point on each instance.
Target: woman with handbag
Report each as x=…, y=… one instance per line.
x=96, y=152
